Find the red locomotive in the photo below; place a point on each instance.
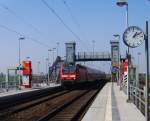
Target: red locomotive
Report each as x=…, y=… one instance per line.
x=79, y=73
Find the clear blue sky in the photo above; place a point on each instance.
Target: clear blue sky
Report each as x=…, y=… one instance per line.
x=93, y=20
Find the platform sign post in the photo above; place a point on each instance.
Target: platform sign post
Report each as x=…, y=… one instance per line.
x=27, y=74
x=147, y=74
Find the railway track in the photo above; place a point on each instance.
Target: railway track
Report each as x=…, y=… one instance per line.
x=67, y=105
x=25, y=111
x=70, y=110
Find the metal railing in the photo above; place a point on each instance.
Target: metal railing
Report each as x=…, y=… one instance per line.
x=39, y=81
x=91, y=55
x=138, y=98
x=8, y=86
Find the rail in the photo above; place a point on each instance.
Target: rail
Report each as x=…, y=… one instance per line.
x=78, y=102
x=35, y=105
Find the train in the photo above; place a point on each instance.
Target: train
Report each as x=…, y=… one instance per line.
x=74, y=74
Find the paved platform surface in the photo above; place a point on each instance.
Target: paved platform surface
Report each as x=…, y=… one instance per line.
x=111, y=105
x=16, y=91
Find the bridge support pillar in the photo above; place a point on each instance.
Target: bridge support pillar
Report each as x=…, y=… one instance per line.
x=70, y=53
x=115, y=60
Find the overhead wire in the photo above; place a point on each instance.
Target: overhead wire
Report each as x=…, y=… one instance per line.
x=71, y=14
x=2, y=5
x=22, y=35
x=61, y=20
x=10, y=30
x=74, y=20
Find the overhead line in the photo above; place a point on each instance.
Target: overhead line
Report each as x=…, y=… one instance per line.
x=37, y=41
x=72, y=16
x=19, y=17
x=28, y=37
x=10, y=30
x=60, y=19
x=74, y=19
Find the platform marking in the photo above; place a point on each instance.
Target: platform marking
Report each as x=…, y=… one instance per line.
x=108, y=113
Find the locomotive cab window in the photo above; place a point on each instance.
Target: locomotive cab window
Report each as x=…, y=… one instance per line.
x=69, y=70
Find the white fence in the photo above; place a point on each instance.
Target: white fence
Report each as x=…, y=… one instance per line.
x=8, y=86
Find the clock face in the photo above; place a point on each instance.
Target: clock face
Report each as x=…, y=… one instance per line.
x=133, y=36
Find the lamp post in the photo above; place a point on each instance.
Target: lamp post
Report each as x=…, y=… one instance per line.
x=46, y=65
x=38, y=67
x=47, y=70
x=54, y=67
x=27, y=58
x=21, y=38
x=57, y=48
x=93, y=41
x=138, y=60
x=53, y=53
x=122, y=3
x=137, y=82
x=49, y=50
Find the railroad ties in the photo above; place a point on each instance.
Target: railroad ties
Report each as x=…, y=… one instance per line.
x=63, y=105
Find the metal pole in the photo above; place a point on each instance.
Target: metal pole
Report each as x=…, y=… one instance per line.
x=137, y=84
x=7, y=79
x=53, y=53
x=139, y=60
x=53, y=62
x=147, y=74
x=122, y=3
x=128, y=54
x=57, y=47
x=93, y=46
x=48, y=65
x=48, y=75
x=127, y=15
x=19, y=66
x=47, y=71
x=38, y=67
x=21, y=38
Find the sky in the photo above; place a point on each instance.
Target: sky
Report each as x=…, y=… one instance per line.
x=89, y=20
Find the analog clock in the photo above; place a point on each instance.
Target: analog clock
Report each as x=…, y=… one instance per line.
x=133, y=36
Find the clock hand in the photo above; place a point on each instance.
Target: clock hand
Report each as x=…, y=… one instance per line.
x=135, y=35
x=139, y=33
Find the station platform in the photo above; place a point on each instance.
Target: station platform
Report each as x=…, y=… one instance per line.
x=111, y=105
x=17, y=91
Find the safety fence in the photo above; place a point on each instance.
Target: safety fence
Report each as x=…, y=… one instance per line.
x=8, y=86
x=138, y=97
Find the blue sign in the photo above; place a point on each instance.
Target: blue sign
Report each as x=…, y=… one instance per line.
x=115, y=69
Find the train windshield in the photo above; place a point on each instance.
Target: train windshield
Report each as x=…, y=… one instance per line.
x=69, y=70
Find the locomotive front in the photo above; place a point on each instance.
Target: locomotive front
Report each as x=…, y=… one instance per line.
x=67, y=75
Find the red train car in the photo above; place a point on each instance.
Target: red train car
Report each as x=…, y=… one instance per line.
x=79, y=73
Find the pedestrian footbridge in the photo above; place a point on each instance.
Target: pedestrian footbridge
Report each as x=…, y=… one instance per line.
x=93, y=56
